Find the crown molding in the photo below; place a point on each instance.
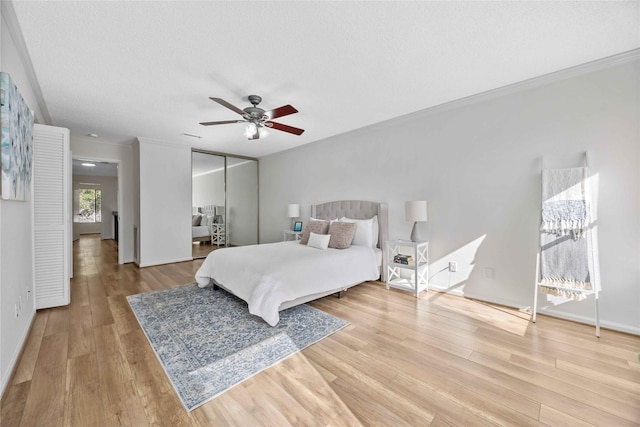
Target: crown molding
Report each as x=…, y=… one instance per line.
x=9, y=15
x=545, y=79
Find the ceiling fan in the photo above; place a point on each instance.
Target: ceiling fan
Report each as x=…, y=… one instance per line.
x=257, y=118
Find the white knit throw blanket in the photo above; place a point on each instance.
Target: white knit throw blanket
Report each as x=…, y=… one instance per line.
x=566, y=202
x=565, y=220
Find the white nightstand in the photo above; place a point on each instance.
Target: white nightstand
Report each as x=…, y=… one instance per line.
x=218, y=234
x=418, y=271
x=291, y=235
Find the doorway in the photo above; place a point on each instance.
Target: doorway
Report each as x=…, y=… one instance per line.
x=95, y=199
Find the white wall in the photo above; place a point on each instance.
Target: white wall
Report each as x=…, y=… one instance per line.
x=108, y=185
x=477, y=162
x=16, y=236
x=123, y=154
x=165, y=203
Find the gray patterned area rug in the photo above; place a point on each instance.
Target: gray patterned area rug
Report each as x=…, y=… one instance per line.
x=208, y=342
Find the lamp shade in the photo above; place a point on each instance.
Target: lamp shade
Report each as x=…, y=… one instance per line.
x=293, y=210
x=415, y=211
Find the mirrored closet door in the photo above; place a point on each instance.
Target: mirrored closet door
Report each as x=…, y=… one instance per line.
x=224, y=202
x=242, y=201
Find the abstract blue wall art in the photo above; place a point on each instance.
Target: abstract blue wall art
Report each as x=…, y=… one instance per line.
x=16, y=120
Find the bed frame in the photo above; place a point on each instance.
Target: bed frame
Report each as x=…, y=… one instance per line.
x=355, y=209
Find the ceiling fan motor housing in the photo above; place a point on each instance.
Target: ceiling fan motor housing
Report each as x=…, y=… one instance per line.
x=255, y=112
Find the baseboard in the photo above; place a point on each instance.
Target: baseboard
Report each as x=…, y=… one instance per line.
x=170, y=261
x=6, y=380
x=589, y=321
x=628, y=329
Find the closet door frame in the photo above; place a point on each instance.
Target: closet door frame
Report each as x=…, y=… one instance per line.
x=236, y=156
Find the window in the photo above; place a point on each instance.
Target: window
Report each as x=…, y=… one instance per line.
x=87, y=205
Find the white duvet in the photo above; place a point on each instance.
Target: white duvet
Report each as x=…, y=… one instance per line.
x=267, y=275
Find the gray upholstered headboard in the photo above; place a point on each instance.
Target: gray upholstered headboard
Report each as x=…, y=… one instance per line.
x=358, y=209
x=208, y=210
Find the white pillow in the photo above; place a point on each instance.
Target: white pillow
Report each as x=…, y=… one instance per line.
x=376, y=231
x=207, y=220
x=319, y=241
x=318, y=219
x=367, y=232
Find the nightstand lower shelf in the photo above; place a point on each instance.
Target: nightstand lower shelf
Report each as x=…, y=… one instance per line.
x=407, y=285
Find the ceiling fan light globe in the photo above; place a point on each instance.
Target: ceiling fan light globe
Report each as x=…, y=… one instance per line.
x=263, y=132
x=250, y=130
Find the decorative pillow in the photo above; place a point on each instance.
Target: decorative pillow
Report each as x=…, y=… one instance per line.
x=195, y=220
x=319, y=241
x=342, y=234
x=364, y=233
x=317, y=226
x=207, y=220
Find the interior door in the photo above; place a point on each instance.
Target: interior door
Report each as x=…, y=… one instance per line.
x=208, y=198
x=51, y=215
x=242, y=201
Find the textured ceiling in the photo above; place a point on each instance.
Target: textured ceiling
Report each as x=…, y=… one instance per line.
x=146, y=69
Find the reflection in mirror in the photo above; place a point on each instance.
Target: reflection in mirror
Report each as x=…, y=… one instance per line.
x=225, y=199
x=208, y=201
x=242, y=201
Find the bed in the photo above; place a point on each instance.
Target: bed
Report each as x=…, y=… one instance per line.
x=200, y=233
x=276, y=276
x=202, y=223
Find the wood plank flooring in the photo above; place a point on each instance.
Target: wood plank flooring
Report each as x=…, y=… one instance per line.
x=439, y=360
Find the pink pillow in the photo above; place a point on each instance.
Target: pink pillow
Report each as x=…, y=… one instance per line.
x=342, y=234
x=316, y=226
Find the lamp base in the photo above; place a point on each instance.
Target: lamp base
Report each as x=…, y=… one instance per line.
x=415, y=234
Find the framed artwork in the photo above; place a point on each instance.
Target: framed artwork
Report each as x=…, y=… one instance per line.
x=16, y=136
x=297, y=226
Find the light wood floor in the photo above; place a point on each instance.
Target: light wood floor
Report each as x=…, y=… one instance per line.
x=439, y=360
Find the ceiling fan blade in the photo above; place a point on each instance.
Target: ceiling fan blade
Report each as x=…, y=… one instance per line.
x=285, y=110
x=284, y=128
x=225, y=122
x=229, y=106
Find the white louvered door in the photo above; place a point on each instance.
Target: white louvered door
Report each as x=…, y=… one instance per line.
x=51, y=213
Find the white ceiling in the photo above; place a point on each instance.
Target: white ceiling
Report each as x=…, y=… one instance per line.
x=146, y=69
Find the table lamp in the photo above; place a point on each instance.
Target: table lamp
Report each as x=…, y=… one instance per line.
x=415, y=212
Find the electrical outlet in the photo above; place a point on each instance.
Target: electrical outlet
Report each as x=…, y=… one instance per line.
x=28, y=295
x=17, y=311
x=453, y=266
